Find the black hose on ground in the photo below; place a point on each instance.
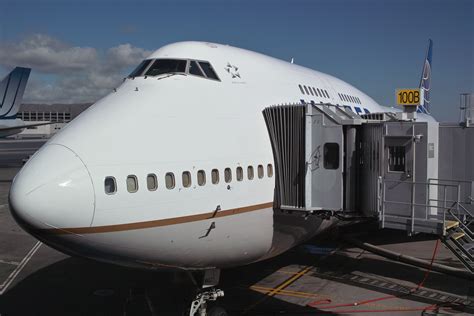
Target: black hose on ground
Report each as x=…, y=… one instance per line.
x=408, y=259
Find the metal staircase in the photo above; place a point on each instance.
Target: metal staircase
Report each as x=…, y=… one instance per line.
x=454, y=220
x=459, y=239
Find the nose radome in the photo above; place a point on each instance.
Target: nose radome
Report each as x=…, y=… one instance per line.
x=53, y=190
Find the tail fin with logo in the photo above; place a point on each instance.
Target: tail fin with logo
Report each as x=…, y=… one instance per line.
x=12, y=88
x=425, y=82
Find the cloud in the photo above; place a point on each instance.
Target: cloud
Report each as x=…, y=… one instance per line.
x=79, y=74
x=46, y=54
x=125, y=55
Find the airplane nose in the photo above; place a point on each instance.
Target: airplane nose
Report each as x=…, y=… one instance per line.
x=53, y=190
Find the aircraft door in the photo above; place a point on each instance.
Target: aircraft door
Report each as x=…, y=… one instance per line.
x=326, y=167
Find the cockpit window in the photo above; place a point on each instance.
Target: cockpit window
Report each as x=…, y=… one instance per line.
x=195, y=70
x=210, y=73
x=156, y=67
x=165, y=66
x=141, y=68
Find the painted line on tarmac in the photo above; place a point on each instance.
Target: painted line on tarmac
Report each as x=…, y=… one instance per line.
x=4, y=286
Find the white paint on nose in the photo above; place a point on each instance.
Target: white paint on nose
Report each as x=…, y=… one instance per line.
x=53, y=190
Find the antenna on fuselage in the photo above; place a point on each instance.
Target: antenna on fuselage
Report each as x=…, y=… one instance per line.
x=292, y=60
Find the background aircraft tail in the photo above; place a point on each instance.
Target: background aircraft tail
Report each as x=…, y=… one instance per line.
x=12, y=88
x=425, y=82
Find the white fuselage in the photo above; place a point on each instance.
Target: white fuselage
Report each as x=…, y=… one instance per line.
x=173, y=124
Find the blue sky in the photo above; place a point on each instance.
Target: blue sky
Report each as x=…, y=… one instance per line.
x=376, y=45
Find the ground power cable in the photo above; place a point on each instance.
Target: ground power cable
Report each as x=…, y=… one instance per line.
x=321, y=304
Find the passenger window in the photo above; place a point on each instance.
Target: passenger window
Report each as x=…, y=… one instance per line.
x=186, y=179
x=320, y=93
x=110, y=185
x=331, y=156
x=151, y=182
x=250, y=172
x=165, y=66
x=315, y=92
x=195, y=70
x=269, y=170
x=132, y=184
x=260, y=171
x=208, y=70
x=396, y=155
x=240, y=174
x=169, y=180
x=301, y=88
x=311, y=90
x=227, y=175
x=327, y=94
x=201, y=177
x=306, y=89
x=215, y=176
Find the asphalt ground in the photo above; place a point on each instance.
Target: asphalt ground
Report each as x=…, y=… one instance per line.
x=322, y=276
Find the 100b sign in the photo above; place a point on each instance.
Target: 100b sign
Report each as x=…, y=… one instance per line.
x=408, y=97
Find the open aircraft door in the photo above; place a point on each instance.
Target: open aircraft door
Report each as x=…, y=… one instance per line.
x=324, y=173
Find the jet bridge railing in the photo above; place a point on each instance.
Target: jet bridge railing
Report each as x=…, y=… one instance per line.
x=415, y=215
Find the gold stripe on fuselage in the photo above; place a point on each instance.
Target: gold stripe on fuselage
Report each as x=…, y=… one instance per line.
x=156, y=223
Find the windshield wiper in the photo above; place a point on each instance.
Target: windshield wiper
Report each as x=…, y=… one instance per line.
x=172, y=74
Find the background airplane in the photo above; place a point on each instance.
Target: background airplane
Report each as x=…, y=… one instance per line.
x=12, y=89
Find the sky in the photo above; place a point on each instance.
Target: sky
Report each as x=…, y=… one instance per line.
x=80, y=50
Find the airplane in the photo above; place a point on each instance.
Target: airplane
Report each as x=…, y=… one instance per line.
x=12, y=88
x=174, y=168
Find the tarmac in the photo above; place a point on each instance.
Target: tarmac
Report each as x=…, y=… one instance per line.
x=323, y=276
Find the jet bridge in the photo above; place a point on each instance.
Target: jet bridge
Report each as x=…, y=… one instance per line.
x=332, y=162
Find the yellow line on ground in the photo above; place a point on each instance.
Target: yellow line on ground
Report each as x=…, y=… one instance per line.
x=280, y=287
x=258, y=287
x=264, y=290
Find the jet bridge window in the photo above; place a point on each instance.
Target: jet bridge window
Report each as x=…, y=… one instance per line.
x=110, y=185
x=132, y=183
x=208, y=70
x=396, y=156
x=166, y=66
x=331, y=156
x=141, y=68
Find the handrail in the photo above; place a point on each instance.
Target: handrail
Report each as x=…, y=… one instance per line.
x=454, y=208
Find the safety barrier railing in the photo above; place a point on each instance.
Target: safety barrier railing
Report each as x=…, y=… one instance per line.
x=451, y=209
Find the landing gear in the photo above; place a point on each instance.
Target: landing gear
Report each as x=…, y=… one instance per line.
x=207, y=292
